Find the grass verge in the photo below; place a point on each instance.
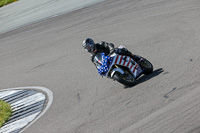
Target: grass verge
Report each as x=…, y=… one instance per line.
x=5, y=112
x=5, y=2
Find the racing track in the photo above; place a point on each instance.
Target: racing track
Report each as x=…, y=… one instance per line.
x=49, y=54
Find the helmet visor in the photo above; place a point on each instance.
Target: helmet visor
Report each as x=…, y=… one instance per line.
x=88, y=48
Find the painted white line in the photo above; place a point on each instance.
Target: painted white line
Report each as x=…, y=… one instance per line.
x=4, y=94
x=28, y=100
x=18, y=124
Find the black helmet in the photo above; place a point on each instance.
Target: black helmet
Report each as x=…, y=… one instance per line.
x=89, y=45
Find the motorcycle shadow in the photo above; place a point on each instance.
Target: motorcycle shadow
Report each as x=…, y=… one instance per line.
x=144, y=78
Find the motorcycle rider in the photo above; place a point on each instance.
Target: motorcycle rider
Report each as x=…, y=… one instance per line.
x=94, y=48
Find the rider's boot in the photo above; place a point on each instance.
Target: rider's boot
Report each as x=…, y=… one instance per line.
x=137, y=58
x=128, y=53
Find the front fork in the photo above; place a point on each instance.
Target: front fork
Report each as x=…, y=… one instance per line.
x=116, y=69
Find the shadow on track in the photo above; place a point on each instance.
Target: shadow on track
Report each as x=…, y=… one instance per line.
x=144, y=78
x=147, y=77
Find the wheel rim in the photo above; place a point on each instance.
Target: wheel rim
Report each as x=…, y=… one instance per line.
x=127, y=76
x=146, y=64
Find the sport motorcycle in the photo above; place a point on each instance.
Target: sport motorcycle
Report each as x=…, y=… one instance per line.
x=122, y=68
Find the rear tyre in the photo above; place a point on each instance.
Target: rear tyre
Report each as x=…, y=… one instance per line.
x=126, y=78
x=146, y=66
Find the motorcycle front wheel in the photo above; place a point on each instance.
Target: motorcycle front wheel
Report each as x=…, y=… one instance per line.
x=126, y=78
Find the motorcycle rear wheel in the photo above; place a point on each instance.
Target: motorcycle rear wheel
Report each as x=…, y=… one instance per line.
x=146, y=66
x=126, y=79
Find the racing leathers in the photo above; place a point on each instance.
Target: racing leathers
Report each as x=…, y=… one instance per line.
x=107, y=48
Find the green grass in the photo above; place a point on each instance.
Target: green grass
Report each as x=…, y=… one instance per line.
x=5, y=112
x=5, y=2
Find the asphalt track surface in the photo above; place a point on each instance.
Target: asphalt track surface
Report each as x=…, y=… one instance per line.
x=49, y=54
x=25, y=12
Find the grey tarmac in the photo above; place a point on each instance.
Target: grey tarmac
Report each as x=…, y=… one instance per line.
x=49, y=54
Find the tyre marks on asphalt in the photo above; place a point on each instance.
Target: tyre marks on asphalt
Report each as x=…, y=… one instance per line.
x=167, y=95
x=26, y=104
x=180, y=116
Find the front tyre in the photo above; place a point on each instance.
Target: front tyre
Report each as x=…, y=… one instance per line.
x=126, y=78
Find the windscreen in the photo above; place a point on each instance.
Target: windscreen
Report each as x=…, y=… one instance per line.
x=98, y=60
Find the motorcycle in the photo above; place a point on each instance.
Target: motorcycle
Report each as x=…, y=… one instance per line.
x=122, y=68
